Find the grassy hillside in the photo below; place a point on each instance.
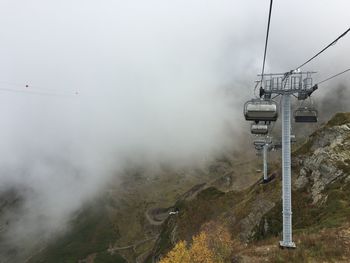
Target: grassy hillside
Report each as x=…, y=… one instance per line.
x=90, y=236
x=118, y=227
x=321, y=206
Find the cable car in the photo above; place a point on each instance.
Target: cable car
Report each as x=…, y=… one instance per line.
x=292, y=138
x=258, y=147
x=260, y=110
x=259, y=129
x=305, y=114
x=259, y=143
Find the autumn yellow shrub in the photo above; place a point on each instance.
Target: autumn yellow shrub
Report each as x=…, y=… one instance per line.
x=219, y=241
x=200, y=251
x=212, y=245
x=178, y=254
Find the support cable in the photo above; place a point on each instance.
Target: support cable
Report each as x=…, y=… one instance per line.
x=324, y=49
x=266, y=40
x=265, y=50
x=33, y=89
x=39, y=92
x=331, y=77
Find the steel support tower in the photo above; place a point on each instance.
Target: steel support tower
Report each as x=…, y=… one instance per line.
x=265, y=160
x=298, y=84
x=286, y=174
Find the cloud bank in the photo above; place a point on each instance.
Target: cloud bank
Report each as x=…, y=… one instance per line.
x=151, y=81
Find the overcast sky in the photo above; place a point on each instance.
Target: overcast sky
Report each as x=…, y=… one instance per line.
x=156, y=80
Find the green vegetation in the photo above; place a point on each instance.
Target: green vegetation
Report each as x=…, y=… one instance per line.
x=339, y=119
x=207, y=205
x=92, y=233
x=317, y=227
x=124, y=222
x=304, y=148
x=105, y=257
x=325, y=246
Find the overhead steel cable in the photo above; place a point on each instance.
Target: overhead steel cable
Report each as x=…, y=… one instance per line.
x=38, y=92
x=30, y=89
x=329, y=45
x=266, y=40
x=331, y=77
x=265, y=49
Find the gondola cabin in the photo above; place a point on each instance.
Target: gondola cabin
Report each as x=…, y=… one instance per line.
x=259, y=129
x=260, y=143
x=258, y=147
x=306, y=114
x=260, y=110
x=293, y=139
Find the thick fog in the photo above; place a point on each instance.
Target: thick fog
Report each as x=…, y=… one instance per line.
x=87, y=85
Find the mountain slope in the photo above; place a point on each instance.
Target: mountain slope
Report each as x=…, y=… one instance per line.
x=125, y=222
x=320, y=197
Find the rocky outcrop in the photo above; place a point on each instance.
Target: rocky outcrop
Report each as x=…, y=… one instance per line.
x=248, y=224
x=319, y=166
x=327, y=160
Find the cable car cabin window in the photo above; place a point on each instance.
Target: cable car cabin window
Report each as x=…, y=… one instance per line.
x=260, y=110
x=305, y=115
